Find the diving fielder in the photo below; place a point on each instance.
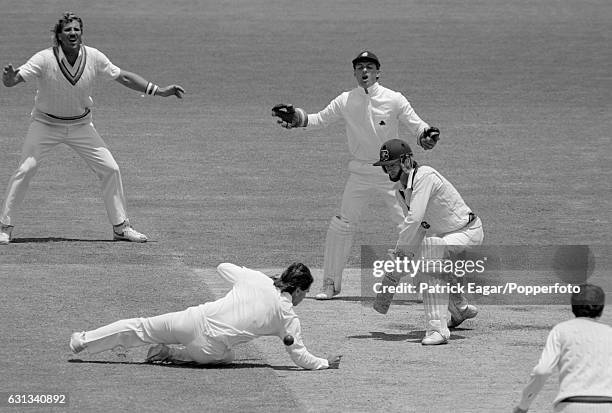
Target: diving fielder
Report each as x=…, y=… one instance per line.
x=65, y=76
x=372, y=114
x=257, y=305
x=432, y=203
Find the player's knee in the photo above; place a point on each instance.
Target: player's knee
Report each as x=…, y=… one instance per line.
x=433, y=248
x=108, y=169
x=112, y=167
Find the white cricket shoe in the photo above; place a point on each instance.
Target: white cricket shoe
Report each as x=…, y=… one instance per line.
x=77, y=342
x=159, y=352
x=125, y=232
x=327, y=292
x=434, y=339
x=5, y=234
x=459, y=316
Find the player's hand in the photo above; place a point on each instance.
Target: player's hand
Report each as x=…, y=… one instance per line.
x=519, y=410
x=429, y=138
x=427, y=143
x=289, y=116
x=172, y=90
x=334, y=361
x=397, y=252
x=9, y=75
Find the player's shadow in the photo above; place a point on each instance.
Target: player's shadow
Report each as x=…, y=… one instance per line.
x=414, y=336
x=368, y=300
x=235, y=365
x=37, y=240
x=55, y=239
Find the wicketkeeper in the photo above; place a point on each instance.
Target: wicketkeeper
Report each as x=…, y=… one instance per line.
x=438, y=225
x=372, y=114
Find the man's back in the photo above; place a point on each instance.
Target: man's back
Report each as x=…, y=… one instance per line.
x=252, y=308
x=585, y=357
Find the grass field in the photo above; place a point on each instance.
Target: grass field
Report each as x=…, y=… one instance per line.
x=521, y=91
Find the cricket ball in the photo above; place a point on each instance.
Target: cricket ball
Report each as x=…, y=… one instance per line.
x=288, y=340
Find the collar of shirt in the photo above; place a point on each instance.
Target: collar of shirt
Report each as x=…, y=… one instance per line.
x=410, y=184
x=411, y=177
x=400, y=189
x=287, y=297
x=73, y=69
x=372, y=90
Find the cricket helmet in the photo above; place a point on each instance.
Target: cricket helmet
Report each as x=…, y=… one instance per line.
x=392, y=151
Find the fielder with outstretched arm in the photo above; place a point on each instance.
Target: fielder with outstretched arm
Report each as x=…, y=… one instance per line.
x=65, y=75
x=372, y=114
x=256, y=306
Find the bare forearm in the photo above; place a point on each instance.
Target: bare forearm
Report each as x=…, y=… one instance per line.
x=140, y=84
x=536, y=382
x=133, y=81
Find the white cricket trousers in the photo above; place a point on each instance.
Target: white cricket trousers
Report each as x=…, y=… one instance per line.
x=186, y=328
x=366, y=183
x=436, y=304
x=84, y=139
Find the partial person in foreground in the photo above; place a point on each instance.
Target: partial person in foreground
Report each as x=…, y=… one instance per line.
x=438, y=225
x=65, y=75
x=581, y=349
x=257, y=305
x=372, y=114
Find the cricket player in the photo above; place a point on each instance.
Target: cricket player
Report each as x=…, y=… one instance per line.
x=431, y=202
x=65, y=76
x=582, y=351
x=257, y=305
x=372, y=114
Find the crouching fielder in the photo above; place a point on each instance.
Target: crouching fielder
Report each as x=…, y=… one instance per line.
x=441, y=226
x=256, y=306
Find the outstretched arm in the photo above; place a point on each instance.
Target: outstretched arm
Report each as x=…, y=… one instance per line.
x=291, y=117
x=427, y=136
x=546, y=365
x=10, y=76
x=137, y=82
x=299, y=353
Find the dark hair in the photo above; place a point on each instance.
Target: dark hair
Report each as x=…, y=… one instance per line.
x=296, y=275
x=589, y=301
x=66, y=18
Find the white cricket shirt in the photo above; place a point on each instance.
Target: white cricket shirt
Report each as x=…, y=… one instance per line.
x=255, y=307
x=371, y=119
x=64, y=90
x=432, y=198
x=582, y=350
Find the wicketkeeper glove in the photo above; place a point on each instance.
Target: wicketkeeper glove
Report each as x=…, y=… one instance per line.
x=290, y=117
x=432, y=133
